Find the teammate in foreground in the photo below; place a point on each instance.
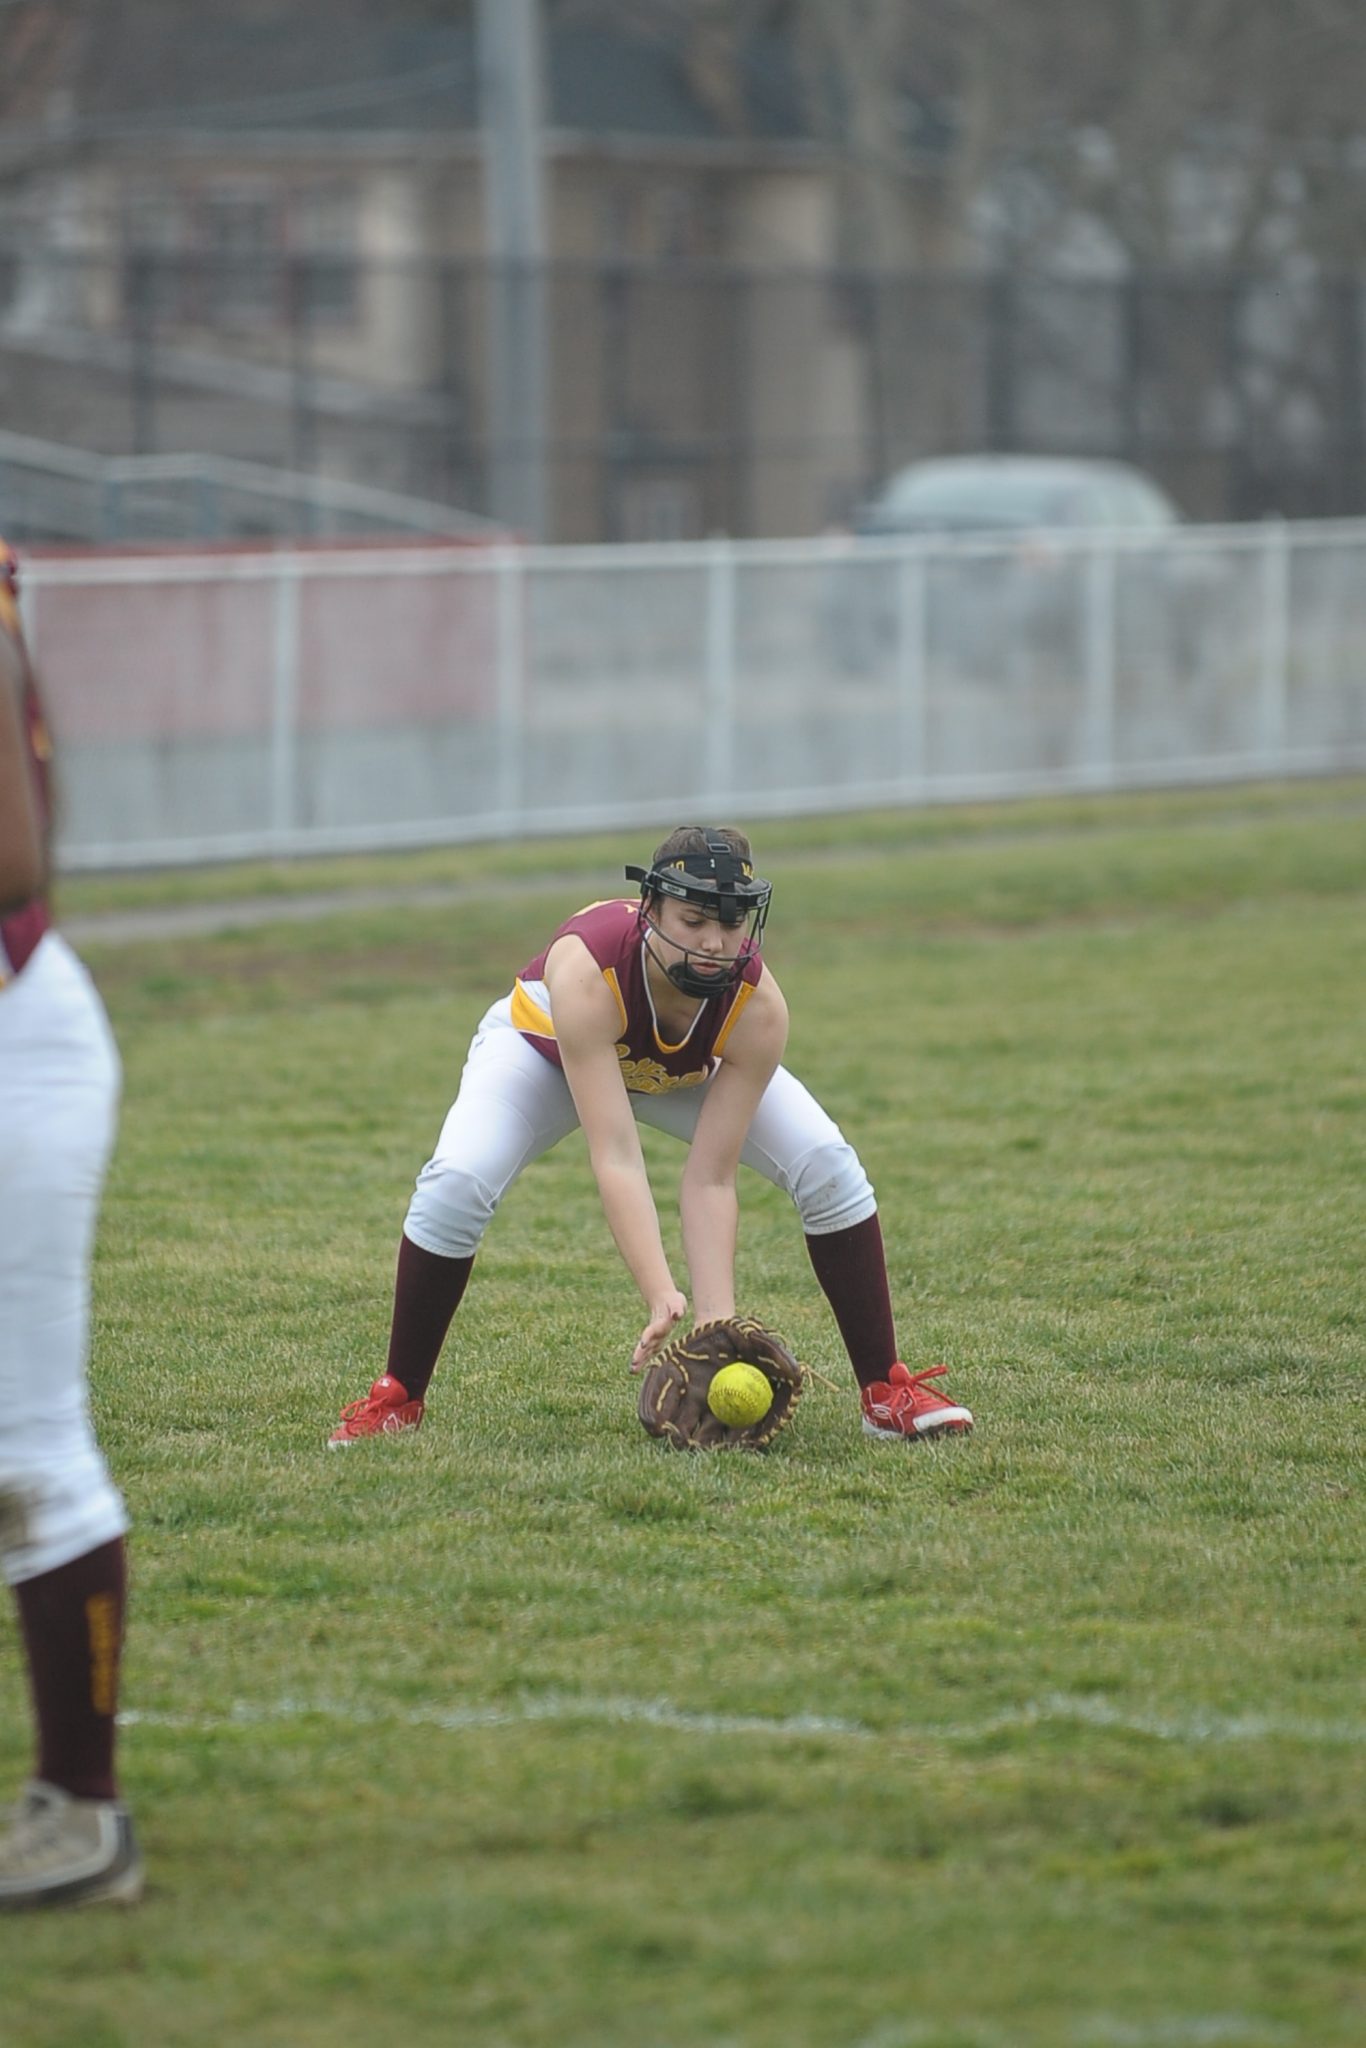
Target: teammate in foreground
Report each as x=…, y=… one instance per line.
x=658, y=1010
x=62, y=1524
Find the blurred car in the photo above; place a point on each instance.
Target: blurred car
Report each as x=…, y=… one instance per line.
x=1032, y=506
x=970, y=494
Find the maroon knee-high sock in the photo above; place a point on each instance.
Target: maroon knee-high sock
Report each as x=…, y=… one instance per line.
x=427, y=1294
x=852, y=1271
x=72, y=1622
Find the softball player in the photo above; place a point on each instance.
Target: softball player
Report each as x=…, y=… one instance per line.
x=62, y=1523
x=659, y=1010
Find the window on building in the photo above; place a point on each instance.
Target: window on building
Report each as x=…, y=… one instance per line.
x=239, y=237
x=617, y=222
x=154, y=237
x=672, y=223
x=324, y=235
x=658, y=508
x=244, y=253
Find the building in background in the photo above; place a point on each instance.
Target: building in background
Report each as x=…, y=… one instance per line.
x=263, y=242
x=266, y=250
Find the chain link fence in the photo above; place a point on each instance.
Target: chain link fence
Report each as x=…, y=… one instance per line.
x=686, y=399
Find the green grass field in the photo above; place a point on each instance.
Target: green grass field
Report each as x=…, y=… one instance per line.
x=525, y=1732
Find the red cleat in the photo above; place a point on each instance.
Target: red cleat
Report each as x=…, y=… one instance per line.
x=902, y=1405
x=385, y=1411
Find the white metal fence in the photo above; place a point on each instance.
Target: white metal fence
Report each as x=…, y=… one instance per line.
x=217, y=705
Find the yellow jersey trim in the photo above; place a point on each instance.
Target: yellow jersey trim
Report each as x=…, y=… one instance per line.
x=528, y=1015
x=742, y=996
x=609, y=975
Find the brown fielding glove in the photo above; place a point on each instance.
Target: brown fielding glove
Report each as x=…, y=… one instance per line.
x=673, y=1393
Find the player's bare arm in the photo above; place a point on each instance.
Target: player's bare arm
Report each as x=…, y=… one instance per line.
x=586, y=1026
x=23, y=862
x=708, y=1202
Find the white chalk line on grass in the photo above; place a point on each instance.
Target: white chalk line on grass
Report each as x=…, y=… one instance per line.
x=1198, y=1728
x=1099, y=2030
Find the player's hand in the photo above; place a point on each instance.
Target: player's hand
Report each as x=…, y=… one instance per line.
x=667, y=1312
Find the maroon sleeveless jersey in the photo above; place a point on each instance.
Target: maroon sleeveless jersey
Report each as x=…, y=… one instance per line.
x=21, y=930
x=649, y=1064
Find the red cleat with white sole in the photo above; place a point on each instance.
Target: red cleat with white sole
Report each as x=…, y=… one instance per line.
x=903, y=1405
x=385, y=1411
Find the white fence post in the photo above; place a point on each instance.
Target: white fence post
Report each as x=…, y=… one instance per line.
x=913, y=764
x=509, y=568
x=1098, y=738
x=284, y=706
x=1275, y=642
x=28, y=619
x=719, y=683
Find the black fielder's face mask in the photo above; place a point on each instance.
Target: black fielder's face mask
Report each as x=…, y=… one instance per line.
x=720, y=883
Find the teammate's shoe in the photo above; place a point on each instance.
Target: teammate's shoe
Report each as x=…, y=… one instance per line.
x=902, y=1405
x=62, y=1851
x=385, y=1411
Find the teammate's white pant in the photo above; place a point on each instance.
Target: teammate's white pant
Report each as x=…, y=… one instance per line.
x=59, y=1089
x=514, y=1105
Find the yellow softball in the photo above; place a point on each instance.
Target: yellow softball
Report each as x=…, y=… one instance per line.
x=739, y=1395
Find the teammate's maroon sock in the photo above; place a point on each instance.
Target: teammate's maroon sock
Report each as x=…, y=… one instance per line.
x=852, y=1269
x=427, y=1294
x=72, y=1621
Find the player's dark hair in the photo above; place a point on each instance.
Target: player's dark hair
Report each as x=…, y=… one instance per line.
x=693, y=839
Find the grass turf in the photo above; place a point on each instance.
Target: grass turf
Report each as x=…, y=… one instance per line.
x=527, y=1732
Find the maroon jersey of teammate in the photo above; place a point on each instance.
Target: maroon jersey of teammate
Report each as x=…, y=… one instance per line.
x=650, y=1065
x=21, y=930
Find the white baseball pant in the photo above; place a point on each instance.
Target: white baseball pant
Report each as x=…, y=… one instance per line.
x=513, y=1105
x=59, y=1091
